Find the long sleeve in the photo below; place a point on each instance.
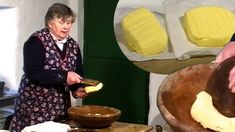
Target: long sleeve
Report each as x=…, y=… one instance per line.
x=34, y=56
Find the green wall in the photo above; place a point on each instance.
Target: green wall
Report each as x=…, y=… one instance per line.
x=125, y=85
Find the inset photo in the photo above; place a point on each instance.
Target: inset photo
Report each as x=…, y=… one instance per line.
x=166, y=35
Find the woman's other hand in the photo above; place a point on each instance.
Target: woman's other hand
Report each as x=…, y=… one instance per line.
x=80, y=93
x=231, y=80
x=73, y=78
x=226, y=52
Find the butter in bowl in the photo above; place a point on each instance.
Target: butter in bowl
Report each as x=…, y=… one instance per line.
x=94, y=116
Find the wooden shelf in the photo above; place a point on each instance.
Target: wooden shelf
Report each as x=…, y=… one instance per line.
x=7, y=98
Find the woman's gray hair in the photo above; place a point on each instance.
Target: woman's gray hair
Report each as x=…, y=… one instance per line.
x=58, y=10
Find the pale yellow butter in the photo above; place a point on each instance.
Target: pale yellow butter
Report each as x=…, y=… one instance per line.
x=209, y=26
x=89, y=89
x=143, y=32
x=208, y=116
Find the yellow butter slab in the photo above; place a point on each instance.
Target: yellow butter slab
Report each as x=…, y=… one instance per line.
x=143, y=32
x=209, y=26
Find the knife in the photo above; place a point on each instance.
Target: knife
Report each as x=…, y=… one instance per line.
x=90, y=82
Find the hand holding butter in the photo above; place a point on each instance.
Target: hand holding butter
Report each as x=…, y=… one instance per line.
x=90, y=89
x=207, y=115
x=91, y=85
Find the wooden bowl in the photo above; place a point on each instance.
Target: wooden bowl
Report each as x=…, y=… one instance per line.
x=178, y=92
x=94, y=116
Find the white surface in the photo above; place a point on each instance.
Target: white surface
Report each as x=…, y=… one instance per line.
x=122, y=9
x=182, y=47
x=133, y=56
x=49, y=126
x=154, y=116
x=153, y=5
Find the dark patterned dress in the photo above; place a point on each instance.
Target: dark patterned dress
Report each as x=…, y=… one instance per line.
x=43, y=93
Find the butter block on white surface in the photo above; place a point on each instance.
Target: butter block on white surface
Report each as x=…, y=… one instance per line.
x=208, y=116
x=209, y=26
x=144, y=33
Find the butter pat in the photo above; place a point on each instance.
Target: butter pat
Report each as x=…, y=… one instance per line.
x=205, y=113
x=89, y=89
x=143, y=32
x=209, y=26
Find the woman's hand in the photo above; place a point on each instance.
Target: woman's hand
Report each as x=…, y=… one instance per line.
x=226, y=52
x=73, y=78
x=231, y=80
x=80, y=93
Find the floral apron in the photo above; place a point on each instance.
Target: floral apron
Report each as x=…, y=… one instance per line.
x=37, y=104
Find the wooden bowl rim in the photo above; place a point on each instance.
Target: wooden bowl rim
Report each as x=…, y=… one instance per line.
x=172, y=121
x=116, y=111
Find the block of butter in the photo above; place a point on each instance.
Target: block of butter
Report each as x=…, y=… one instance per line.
x=93, y=88
x=209, y=26
x=208, y=116
x=144, y=33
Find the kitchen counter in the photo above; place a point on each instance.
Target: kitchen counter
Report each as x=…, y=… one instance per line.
x=115, y=127
x=7, y=98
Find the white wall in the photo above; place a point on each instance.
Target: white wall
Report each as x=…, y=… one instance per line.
x=27, y=17
x=77, y=31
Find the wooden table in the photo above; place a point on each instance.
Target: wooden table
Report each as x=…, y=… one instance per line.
x=115, y=127
x=168, y=66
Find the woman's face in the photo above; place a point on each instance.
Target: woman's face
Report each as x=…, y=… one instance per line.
x=60, y=28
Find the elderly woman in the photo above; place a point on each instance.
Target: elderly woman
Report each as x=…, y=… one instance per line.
x=52, y=68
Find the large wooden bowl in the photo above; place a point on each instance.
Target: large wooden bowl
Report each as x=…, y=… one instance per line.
x=178, y=92
x=94, y=116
